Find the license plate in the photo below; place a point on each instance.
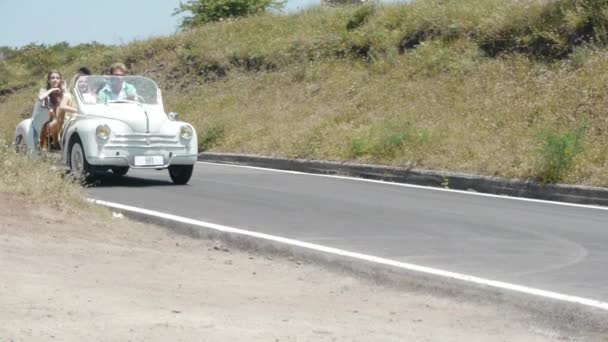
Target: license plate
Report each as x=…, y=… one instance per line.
x=149, y=160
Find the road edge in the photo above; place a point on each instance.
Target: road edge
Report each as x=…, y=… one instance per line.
x=442, y=179
x=552, y=314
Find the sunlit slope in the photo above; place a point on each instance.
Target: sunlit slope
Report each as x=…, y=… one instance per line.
x=494, y=87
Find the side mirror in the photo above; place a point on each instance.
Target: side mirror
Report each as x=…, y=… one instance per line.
x=173, y=116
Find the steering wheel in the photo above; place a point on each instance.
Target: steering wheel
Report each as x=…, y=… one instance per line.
x=140, y=99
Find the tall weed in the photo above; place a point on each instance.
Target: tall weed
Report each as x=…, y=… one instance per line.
x=210, y=137
x=558, y=154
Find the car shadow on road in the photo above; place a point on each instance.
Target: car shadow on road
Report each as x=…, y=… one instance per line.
x=110, y=180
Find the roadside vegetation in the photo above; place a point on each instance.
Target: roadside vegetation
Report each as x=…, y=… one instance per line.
x=37, y=181
x=493, y=87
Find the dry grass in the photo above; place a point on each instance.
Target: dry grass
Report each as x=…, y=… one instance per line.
x=37, y=181
x=488, y=120
x=476, y=93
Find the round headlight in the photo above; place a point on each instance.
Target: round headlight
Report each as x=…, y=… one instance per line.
x=185, y=132
x=103, y=132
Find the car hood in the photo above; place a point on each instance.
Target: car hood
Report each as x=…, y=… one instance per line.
x=141, y=119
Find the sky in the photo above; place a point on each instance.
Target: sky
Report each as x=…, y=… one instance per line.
x=81, y=21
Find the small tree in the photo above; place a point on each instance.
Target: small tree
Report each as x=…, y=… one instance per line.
x=205, y=11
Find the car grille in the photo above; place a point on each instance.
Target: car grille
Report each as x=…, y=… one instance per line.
x=144, y=140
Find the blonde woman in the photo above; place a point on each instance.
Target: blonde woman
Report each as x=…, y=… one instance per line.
x=67, y=107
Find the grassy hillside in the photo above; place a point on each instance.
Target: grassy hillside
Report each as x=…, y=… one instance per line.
x=494, y=87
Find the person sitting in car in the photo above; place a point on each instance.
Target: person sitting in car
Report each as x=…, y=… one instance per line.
x=49, y=100
x=88, y=94
x=68, y=107
x=117, y=89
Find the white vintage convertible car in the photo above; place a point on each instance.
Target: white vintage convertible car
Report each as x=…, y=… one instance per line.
x=120, y=124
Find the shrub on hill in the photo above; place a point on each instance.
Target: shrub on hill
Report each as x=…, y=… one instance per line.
x=201, y=12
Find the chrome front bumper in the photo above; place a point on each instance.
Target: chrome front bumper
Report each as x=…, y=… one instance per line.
x=128, y=161
x=121, y=150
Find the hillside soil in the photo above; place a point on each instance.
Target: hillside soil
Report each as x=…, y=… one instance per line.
x=93, y=277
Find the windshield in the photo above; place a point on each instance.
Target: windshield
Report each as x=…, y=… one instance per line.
x=116, y=89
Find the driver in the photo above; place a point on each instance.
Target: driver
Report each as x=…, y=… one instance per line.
x=117, y=88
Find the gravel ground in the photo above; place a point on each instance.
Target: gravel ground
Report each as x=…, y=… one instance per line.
x=85, y=277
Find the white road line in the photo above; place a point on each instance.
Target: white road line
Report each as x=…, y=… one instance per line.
x=369, y=258
x=472, y=193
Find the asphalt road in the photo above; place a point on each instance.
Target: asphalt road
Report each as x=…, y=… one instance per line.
x=547, y=246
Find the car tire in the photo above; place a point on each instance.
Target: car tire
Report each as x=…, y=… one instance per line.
x=77, y=161
x=19, y=145
x=180, y=174
x=120, y=171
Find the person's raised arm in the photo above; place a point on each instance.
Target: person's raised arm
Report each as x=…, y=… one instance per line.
x=66, y=104
x=43, y=94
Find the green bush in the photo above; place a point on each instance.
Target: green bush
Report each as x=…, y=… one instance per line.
x=211, y=137
x=382, y=142
x=206, y=11
x=359, y=147
x=558, y=153
x=360, y=17
x=388, y=146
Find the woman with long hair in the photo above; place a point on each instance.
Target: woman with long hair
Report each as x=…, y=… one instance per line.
x=52, y=94
x=51, y=98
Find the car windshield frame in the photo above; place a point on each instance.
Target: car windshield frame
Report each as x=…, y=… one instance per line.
x=98, y=89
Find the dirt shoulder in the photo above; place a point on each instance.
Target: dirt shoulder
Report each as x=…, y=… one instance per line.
x=95, y=278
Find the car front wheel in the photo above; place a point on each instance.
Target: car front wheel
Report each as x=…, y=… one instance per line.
x=79, y=167
x=180, y=174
